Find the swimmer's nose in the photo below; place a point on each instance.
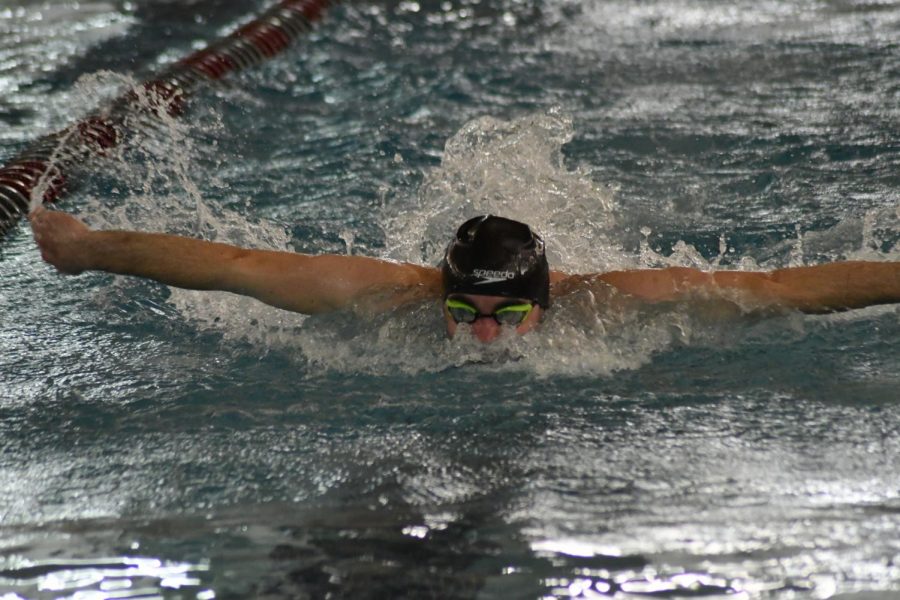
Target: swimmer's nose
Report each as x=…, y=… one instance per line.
x=485, y=329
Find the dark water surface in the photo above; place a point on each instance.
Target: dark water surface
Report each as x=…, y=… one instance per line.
x=162, y=444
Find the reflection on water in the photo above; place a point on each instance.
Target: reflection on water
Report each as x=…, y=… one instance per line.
x=380, y=546
x=102, y=579
x=369, y=550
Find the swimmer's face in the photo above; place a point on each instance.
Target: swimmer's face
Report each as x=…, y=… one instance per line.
x=485, y=327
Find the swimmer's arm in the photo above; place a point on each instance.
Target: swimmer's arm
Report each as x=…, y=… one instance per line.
x=815, y=289
x=328, y=282
x=296, y=282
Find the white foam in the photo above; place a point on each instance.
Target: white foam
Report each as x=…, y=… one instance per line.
x=515, y=169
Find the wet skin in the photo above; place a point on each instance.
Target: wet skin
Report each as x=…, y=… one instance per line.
x=486, y=328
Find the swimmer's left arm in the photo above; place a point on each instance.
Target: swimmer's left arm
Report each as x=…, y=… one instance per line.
x=297, y=282
x=313, y=284
x=814, y=289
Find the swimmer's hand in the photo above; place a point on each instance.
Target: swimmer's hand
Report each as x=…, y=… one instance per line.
x=62, y=239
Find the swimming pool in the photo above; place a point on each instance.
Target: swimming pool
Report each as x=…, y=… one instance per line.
x=160, y=443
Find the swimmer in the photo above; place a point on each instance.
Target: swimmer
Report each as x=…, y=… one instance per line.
x=494, y=275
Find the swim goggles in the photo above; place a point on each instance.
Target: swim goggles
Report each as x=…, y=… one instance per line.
x=509, y=314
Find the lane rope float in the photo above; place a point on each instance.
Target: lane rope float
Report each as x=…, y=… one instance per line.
x=40, y=173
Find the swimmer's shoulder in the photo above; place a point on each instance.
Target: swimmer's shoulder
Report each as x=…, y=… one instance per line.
x=652, y=285
x=429, y=278
x=641, y=283
x=563, y=284
x=383, y=285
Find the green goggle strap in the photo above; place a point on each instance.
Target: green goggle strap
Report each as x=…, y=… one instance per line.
x=451, y=303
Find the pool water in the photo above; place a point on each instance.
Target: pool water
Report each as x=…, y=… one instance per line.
x=165, y=443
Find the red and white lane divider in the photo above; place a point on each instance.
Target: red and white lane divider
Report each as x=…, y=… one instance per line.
x=39, y=174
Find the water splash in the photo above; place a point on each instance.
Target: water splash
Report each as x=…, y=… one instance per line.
x=875, y=235
x=155, y=190
x=516, y=169
x=513, y=169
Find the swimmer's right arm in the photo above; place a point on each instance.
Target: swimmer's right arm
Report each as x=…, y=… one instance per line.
x=813, y=289
x=296, y=282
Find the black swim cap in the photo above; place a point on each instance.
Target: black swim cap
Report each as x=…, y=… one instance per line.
x=493, y=256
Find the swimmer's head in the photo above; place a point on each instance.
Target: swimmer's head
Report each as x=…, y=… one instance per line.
x=493, y=256
x=498, y=267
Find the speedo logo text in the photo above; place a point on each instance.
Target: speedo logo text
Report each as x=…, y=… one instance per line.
x=489, y=276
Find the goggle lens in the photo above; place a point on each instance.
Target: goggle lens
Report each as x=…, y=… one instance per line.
x=461, y=313
x=511, y=314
